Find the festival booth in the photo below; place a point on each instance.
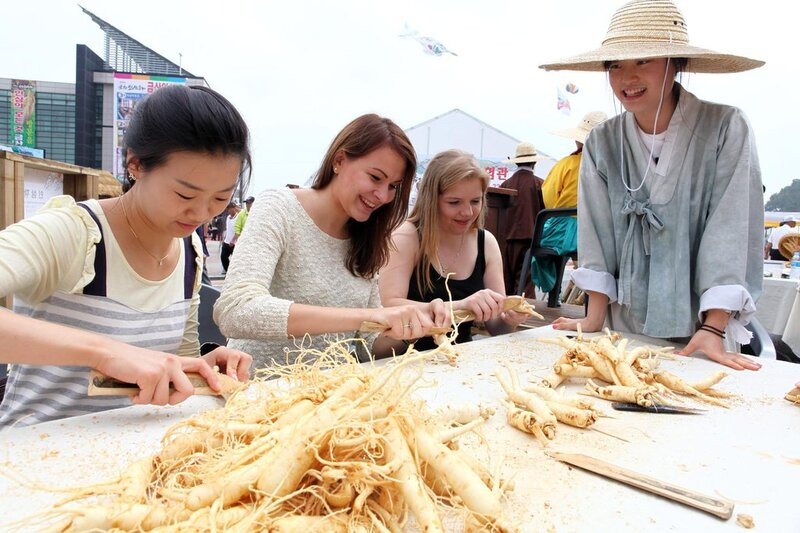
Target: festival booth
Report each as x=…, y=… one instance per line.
x=27, y=183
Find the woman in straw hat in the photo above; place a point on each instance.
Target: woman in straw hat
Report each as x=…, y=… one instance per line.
x=444, y=235
x=671, y=206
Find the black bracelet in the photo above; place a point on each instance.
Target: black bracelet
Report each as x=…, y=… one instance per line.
x=713, y=330
x=709, y=326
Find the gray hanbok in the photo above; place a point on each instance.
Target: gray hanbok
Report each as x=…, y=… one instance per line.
x=690, y=239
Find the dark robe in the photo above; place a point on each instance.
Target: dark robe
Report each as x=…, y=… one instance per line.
x=519, y=225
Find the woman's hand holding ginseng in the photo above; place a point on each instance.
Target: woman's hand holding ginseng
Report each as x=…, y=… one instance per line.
x=485, y=304
x=404, y=322
x=233, y=363
x=514, y=318
x=153, y=372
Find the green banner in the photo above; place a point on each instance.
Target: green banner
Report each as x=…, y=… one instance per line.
x=23, y=113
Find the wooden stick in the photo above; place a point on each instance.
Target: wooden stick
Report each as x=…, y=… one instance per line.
x=708, y=504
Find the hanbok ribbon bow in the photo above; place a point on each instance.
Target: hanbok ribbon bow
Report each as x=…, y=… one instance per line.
x=649, y=221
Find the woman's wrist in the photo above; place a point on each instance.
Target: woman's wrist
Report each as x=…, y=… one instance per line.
x=716, y=318
x=96, y=353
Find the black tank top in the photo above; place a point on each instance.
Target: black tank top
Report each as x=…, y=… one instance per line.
x=459, y=288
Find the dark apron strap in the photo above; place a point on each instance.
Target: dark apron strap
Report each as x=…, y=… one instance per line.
x=189, y=267
x=97, y=287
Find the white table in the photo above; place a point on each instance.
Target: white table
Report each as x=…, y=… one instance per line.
x=750, y=453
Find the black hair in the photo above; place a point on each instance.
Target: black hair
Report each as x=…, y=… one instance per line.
x=680, y=63
x=180, y=118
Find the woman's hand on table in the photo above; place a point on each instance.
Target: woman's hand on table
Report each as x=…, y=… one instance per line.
x=594, y=319
x=711, y=345
x=233, y=363
x=571, y=324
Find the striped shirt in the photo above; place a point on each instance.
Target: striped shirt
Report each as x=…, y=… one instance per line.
x=41, y=393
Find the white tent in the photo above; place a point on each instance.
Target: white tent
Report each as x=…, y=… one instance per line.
x=457, y=129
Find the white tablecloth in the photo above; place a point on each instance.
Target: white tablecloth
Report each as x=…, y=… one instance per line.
x=749, y=453
x=778, y=309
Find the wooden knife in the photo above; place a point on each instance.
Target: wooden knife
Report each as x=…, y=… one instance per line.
x=102, y=385
x=716, y=506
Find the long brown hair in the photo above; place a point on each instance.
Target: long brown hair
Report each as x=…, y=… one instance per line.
x=369, y=240
x=445, y=170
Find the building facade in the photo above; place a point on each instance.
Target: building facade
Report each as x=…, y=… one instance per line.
x=54, y=118
x=82, y=123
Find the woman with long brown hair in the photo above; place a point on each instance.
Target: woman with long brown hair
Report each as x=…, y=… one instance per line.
x=308, y=259
x=444, y=235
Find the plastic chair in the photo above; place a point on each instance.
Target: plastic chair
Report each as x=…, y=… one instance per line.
x=761, y=343
x=207, y=329
x=536, y=250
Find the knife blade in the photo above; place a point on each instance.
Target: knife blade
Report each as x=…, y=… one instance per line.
x=658, y=409
x=716, y=506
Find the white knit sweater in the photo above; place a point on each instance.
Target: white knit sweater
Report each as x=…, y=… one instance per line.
x=283, y=257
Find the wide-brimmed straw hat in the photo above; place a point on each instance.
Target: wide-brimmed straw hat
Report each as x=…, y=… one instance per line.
x=644, y=29
x=526, y=153
x=579, y=133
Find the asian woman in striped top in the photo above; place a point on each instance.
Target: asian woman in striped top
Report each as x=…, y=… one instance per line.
x=113, y=284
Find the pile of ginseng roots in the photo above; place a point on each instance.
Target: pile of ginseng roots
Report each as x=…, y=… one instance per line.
x=330, y=446
x=630, y=374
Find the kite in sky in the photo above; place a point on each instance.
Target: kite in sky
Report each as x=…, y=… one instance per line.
x=429, y=44
x=571, y=88
x=563, y=103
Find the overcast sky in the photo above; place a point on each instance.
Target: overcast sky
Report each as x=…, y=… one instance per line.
x=300, y=70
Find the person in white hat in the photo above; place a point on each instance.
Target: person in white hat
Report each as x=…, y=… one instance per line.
x=670, y=210
x=522, y=213
x=560, y=189
x=788, y=225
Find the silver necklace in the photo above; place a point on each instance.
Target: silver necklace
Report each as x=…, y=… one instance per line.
x=141, y=244
x=442, y=268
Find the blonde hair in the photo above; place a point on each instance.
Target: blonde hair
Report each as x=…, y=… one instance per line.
x=445, y=170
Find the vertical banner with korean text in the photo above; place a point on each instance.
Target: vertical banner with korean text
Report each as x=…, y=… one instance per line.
x=23, y=113
x=129, y=90
x=40, y=186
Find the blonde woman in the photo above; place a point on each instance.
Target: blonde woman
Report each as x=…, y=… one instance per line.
x=445, y=234
x=670, y=210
